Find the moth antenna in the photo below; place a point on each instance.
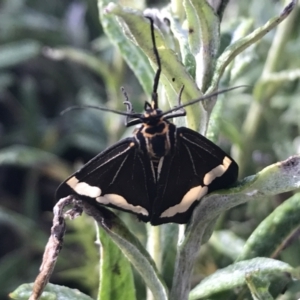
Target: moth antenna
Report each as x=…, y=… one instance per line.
x=122, y=113
x=154, y=103
x=203, y=98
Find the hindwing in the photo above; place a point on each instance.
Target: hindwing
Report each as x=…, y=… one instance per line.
x=196, y=167
x=119, y=177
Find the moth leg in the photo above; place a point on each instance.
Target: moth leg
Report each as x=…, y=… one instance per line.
x=181, y=111
x=127, y=103
x=129, y=109
x=179, y=96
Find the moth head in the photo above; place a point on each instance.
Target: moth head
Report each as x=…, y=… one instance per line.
x=152, y=114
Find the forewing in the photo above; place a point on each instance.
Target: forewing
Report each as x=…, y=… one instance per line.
x=118, y=177
x=196, y=167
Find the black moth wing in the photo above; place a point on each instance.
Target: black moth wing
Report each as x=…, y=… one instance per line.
x=117, y=177
x=196, y=168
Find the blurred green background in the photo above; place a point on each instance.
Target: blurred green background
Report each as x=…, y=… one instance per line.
x=39, y=148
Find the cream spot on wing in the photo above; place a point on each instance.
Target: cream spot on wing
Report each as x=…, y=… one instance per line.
x=217, y=171
x=120, y=201
x=194, y=194
x=84, y=189
x=226, y=162
x=213, y=174
x=72, y=182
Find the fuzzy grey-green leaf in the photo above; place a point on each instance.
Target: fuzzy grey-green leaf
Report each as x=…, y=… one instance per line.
x=278, y=178
x=204, y=39
x=172, y=68
x=233, y=50
x=51, y=292
x=268, y=238
x=235, y=275
x=134, y=57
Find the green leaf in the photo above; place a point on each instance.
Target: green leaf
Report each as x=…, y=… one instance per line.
x=131, y=248
x=134, y=57
x=222, y=238
x=17, y=52
x=175, y=73
x=204, y=38
x=25, y=156
x=51, y=292
x=240, y=45
x=85, y=59
x=181, y=35
x=243, y=62
x=29, y=236
x=27, y=230
x=258, y=286
x=235, y=276
x=116, y=279
x=270, y=235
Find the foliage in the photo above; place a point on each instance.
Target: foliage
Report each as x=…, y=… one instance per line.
x=54, y=55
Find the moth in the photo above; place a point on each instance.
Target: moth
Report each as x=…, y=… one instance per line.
x=161, y=172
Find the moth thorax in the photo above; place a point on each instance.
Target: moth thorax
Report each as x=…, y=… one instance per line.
x=158, y=146
x=156, y=139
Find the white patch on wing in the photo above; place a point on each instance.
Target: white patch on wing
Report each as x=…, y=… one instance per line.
x=83, y=188
x=194, y=194
x=121, y=202
x=217, y=171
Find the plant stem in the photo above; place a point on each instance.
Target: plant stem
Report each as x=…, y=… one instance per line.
x=154, y=249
